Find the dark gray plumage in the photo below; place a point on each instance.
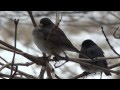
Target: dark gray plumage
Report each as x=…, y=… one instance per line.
x=90, y=49
x=51, y=43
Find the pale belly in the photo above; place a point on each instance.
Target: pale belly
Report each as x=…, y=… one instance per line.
x=46, y=47
x=41, y=44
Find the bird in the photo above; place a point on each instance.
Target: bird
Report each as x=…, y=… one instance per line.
x=92, y=50
x=50, y=39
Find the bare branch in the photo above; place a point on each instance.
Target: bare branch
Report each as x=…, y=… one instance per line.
x=16, y=68
x=24, y=64
x=49, y=71
x=109, y=42
x=42, y=72
x=58, y=20
x=21, y=64
x=103, y=23
x=114, y=15
x=32, y=18
x=21, y=72
x=13, y=60
x=9, y=46
x=37, y=60
x=3, y=59
x=114, y=66
x=115, y=35
x=80, y=75
x=7, y=76
x=4, y=66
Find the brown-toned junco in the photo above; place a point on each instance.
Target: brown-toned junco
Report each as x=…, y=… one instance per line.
x=90, y=49
x=50, y=39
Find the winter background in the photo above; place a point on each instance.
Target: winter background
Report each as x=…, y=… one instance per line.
x=77, y=25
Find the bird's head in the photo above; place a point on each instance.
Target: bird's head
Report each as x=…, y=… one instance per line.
x=45, y=22
x=88, y=43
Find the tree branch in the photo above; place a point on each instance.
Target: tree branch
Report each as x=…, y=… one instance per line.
x=42, y=72
x=13, y=60
x=32, y=18
x=22, y=73
x=115, y=35
x=3, y=59
x=109, y=42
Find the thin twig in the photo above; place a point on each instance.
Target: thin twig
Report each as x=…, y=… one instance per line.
x=9, y=46
x=57, y=76
x=57, y=17
x=21, y=64
x=24, y=64
x=3, y=59
x=114, y=66
x=37, y=60
x=43, y=69
x=16, y=68
x=32, y=18
x=10, y=50
x=114, y=15
x=5, y=75
x=80, y=75
x=4, y=66
x=58, y=20
x=109, y=42
x=49, y=71
x=115, y=35
x=104, y=58
x=13, y=60
x=21, y=72
x=41, y=76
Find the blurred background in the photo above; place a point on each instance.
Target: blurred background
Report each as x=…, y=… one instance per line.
x=77, y=25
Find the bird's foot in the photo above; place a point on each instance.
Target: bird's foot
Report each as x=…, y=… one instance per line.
x=57, y=58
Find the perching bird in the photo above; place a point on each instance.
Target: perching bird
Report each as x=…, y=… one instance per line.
x=90, y=49
x=51, y=39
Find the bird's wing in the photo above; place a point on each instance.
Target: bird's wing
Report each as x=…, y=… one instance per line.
x=59, y=38
x=95, y=51
x=92, y=52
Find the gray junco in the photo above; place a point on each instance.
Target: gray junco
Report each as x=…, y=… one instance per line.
x=50, y=39
x=90, y=49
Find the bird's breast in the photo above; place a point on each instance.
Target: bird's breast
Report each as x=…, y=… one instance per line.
x=38, y=38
